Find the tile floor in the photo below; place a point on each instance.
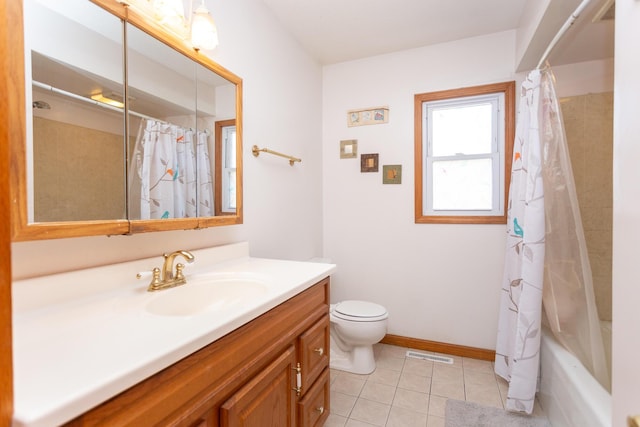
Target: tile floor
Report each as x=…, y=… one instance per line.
x=408, y=392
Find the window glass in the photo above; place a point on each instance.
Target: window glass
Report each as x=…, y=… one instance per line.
x=462, y=185
x=450, y=137
x=229, y=181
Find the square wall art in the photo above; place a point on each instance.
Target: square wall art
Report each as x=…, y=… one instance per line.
x=369, y=163
x=392, y=174
x=349, y=149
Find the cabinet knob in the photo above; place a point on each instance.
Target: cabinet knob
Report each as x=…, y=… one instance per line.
x=320, y=409
x=320, y=351
x=633, y=421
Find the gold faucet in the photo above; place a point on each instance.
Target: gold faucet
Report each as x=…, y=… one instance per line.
x=166, y=279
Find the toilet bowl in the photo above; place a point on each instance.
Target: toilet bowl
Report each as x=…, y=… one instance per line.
x=355, y=327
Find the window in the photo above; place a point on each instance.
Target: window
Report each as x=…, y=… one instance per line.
x=463, y=145
x=225, y=203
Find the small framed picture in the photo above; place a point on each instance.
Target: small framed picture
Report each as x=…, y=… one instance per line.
x=349, y=149
x=392, y=174
x=369, y=162
x=368, y=116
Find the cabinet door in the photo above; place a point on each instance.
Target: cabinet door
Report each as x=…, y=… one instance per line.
x=314, y=351
x=268, y=400
x=206, y=419
x=313, y=409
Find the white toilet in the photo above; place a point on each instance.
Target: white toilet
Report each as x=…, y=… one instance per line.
x=355, y=327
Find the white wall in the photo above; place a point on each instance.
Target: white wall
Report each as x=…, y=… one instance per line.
x=282, y=204
x=438, y=282
x=626, y=213
x=584, y=77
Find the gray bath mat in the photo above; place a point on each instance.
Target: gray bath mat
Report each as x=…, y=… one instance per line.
x=459, y=413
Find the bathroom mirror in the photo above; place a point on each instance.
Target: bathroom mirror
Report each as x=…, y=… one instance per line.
x=127, y=128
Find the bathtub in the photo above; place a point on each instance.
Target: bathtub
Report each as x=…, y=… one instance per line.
x=568, y=394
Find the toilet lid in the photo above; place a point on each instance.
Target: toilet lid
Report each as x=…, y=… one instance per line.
x=363, y=310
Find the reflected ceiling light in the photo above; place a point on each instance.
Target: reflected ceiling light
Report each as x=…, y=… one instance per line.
x=200, y=29
x=101, y=98
x=169, y=12
x=204, y=34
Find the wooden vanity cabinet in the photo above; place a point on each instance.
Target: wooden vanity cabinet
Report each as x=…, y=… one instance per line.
x=247, y=378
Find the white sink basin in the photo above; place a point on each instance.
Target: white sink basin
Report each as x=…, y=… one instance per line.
x=205, y=293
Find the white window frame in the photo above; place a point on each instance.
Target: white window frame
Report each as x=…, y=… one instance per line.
x=502, y=98
x=496, y=155
x=228, y=169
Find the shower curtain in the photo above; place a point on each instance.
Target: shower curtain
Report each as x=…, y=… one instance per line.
x=164, y=182
x=568, y=299
x=518, y=344
x=546, y=258
x=205, y=181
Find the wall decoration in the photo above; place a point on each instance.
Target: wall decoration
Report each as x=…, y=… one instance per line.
x=349, y=149
x=368, y=116
x=369, y=162
x=392, y=174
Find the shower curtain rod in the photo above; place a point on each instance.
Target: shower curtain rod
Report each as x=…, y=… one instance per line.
x=98, y=103
x=568, y=23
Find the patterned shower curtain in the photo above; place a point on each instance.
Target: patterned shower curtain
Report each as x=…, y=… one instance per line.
x=518, y=344
x=546, y=263
x=205, y=180
x=166, y=172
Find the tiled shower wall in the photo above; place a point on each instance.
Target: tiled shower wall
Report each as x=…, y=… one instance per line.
x=78, y=173
x=588, y=121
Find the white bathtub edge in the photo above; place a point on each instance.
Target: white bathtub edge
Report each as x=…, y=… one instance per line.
x=569, y=395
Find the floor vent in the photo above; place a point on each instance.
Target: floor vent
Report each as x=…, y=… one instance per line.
x=432, y=357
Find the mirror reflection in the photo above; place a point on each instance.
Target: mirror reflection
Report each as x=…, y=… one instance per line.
x=172, y=155
x=162, y=120
x=78, y=146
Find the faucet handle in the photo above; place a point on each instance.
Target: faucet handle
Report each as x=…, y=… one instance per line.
x=179, y=267
x=155, y=282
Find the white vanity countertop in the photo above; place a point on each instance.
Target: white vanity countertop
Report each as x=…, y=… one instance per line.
x=82, y=337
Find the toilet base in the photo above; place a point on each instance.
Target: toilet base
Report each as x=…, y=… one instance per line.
x=359, y=360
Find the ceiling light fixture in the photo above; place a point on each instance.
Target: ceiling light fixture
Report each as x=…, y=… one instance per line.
x=169, y=12
x=204, y=34
x=101, y=98
x=200, y=28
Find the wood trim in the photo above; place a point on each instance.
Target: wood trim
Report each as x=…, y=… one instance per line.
x=11, y=24
x=439, y=347
x=508, y=88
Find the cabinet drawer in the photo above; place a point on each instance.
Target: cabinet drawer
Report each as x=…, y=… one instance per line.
x=314, y=351
x=313, y=409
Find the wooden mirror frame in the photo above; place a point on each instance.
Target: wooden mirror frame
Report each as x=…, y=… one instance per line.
x=21, y=229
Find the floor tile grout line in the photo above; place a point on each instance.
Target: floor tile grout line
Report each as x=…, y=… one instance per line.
x=459, y=365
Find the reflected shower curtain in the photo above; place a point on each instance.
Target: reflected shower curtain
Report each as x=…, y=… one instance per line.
x=205, y=181
x=518, y=344
x=163, y=182
x=546, y=262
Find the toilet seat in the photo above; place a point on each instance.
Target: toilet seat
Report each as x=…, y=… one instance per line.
x=359, y=311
